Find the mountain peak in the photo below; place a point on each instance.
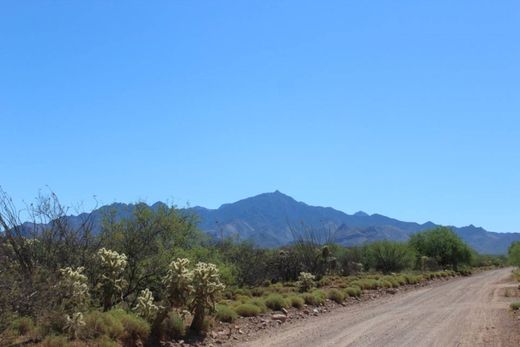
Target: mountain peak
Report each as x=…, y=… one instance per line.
x=361, y=214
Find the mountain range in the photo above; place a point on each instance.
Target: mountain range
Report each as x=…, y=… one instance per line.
x=275, y=219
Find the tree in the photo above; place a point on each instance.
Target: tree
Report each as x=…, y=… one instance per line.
x=443, y=245
x=514, y=253
x=149, y=238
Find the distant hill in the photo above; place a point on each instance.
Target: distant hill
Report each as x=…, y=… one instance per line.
x=267, y=219
x=273, y=219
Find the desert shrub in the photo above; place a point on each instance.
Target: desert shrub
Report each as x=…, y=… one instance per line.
x=386, y=283
x=242, y=298
x=225, y=314
x=173, y=326
x=366, y=283
x=305, y=281
x=411, y=279
x=353, y=291
x=257, y=291
x=22, y=325
x=325, y=281
x=336, y=296
x=260, y=303
x=105, y=341
x=55, y=341
x=443, y=245
x=401, y=280
x=465, y=271
x=513, y=253
x=351, y=261
x=135, y=328
x=296, y=301
x=309, y=299
x=275, y=302
x=319, y=296
x=242, y=291
x=247, y=310
x=389, y=256
x=515, y=305
x=101, y=324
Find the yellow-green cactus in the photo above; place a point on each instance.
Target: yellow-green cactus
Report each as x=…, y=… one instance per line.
x=112, y=266
x=206, y=287
x=145, y=307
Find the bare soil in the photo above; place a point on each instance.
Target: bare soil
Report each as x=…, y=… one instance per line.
x=468, y=311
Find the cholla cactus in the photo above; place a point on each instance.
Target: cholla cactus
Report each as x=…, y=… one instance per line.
x=306, y=281
x=74, y=288
x=112, y=266
x=206, y=286
x=74, y=323
x=178, y=282
x=145, y=305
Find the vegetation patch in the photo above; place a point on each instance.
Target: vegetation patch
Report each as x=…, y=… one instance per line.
x=225, y=314
x=276, y=302
x=247, y=310
x=336, y=295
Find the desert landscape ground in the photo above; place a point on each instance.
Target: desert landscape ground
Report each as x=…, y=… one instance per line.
x=468, y=311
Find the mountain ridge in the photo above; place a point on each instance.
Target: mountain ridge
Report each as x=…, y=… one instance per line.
x=275, y=219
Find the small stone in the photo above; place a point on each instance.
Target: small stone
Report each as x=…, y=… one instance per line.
x=279, y=317
x=284, y=310
x=306, y=311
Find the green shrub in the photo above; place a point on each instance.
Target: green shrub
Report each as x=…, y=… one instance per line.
x=225, y=314
x=465, y=271
x=276, y=302
x=105, y=341
x=242, y=298
x=386, y=283
x=296, y=301
x=247, y=310
x=257, y=291
x=55, y=341
x=135, y=328
x=319, y=296
x=367, y=283
x=309, y=299
x=173, y=326
x=325, y=281
x=336, y=296
x=401, y=280
x=99, y=324
x=353, y=291
x=260, y=303
x=515, y=305
x=242, y=291
x=22, y=325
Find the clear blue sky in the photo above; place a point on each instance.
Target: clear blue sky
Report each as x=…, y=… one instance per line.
x=406, y=109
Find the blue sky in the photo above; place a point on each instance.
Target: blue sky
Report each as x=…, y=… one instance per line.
x=402, y=108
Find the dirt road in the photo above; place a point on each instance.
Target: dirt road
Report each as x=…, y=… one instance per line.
x=471, y=311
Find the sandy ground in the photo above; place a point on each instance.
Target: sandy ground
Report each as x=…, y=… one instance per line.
x=471, y=311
